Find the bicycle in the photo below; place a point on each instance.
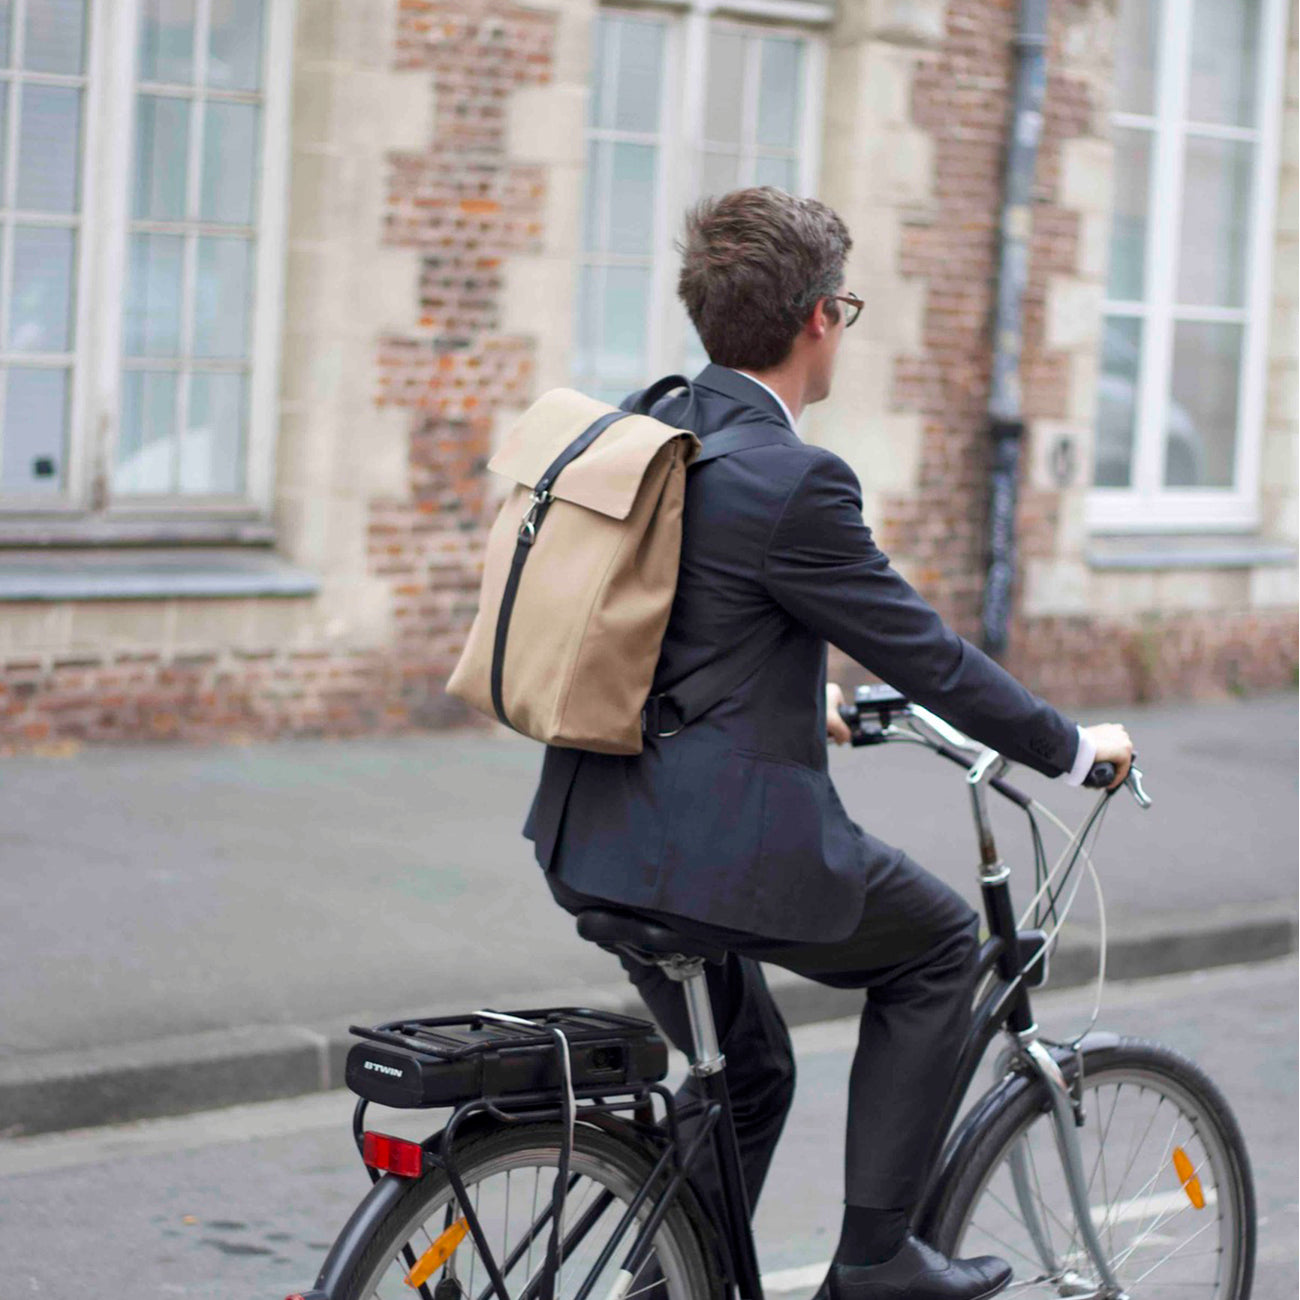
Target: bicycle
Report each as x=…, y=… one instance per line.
x=1092, y=1165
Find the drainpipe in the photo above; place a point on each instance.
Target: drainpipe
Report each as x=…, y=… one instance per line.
x=1005, y=410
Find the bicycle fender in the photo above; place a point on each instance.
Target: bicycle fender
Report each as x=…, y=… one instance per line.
x=357, y=1232
x=1002, y=1094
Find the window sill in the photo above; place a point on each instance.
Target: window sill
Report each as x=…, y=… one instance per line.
x=116, y=530
x=149, y=574
x=1185, y=551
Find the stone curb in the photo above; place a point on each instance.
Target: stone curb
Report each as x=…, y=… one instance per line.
x=172, y=1076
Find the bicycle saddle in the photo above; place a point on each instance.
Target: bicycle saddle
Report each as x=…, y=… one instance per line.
x=616, y=929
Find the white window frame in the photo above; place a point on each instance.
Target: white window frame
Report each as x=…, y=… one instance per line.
x=681, y=131
x=107, y=143
x=1147, y=506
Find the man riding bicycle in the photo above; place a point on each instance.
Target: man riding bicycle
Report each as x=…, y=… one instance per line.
x=730, y=829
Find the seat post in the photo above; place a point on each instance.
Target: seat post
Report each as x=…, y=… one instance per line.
x=706, y=1058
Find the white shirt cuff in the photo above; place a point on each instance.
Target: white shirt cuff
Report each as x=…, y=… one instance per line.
x=1083, y=760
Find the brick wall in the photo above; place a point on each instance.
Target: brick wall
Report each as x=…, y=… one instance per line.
x=464, y=205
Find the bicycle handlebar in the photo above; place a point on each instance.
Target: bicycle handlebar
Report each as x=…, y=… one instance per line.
x=1099, y=777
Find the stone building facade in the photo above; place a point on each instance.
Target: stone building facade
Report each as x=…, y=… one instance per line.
x=427, y=257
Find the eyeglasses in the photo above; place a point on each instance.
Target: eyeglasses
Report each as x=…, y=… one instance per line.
x=855, y=303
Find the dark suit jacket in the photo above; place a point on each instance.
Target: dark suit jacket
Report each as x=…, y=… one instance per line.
x=734, y=820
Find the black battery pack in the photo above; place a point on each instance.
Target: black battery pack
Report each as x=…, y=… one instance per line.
x=446, y=1060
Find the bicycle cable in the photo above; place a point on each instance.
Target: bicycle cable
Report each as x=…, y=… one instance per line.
x=1077, y=842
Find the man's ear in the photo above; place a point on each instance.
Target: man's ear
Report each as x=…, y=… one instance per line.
x=818, y=322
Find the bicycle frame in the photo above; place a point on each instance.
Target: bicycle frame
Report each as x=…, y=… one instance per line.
x=1028, y=1063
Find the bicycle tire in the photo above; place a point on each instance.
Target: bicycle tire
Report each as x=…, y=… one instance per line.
x=979, y=1209
x=686, y=1262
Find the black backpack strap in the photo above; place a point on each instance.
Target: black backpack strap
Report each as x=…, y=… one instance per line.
x=660, y=389
x=532, y=521
x=667, y=713
x=740, y=437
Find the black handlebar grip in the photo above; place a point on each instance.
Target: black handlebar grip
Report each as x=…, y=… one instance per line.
x=1100, y=776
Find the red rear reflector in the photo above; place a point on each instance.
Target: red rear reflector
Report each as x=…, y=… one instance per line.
x=379, y=1151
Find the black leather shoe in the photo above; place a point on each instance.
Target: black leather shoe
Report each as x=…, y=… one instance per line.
x=917, y=1272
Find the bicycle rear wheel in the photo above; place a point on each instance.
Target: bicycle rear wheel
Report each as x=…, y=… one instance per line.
x=1169, y=1184
x=508, y=1175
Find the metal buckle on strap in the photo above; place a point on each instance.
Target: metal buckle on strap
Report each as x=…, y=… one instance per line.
x=537, y=499
x=652, y=717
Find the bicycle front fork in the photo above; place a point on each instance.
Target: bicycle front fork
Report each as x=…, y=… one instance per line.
x=1066, y=1117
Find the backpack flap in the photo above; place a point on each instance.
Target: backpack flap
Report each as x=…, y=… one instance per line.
x=579, y=573
x=607, y=476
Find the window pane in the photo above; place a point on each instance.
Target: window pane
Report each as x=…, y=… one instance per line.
x=632, y=198
x=587, y=325
x=211, y=452
x=1128, y=222
x=4, y=136
x=167, y=41
x=147, y=444
x=1216, y=222
x=6, y=31
x=40, y=310
x=775, y=171
x=162, y=135
x=604, y=50
x=623, y=336
x=235, y=47
x=56, y=35
x=612, y=393
x=640, y=76
x=1137, y=39
x=1221, y=82
x=229, y=163
x=35, y=430
x=153, y=296
x=1201, y=431
x=48, y=148
x=725, y=94
x=1117, y=393
x=778, y=94
x=221, y=298
x=597, y=188
x=718, y=172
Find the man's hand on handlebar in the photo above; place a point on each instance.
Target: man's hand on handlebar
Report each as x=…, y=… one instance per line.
x=1113, y=746
x=836, y=728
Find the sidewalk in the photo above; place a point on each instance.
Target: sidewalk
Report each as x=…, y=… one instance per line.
x=191, y=927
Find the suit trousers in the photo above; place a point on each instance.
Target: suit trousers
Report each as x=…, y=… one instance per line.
x=915, y=952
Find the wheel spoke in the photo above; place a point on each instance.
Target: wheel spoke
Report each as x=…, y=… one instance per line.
x=1204, y=1227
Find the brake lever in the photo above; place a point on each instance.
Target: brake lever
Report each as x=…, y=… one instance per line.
x=1134, y=782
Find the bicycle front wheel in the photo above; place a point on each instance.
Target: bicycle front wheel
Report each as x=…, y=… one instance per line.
x=1169, y=1185
x=509, y=1174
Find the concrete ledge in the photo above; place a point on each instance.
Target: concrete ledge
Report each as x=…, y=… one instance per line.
x=149, y=574
x=167, y=1076
x=172, y=1076
x=1185, y=551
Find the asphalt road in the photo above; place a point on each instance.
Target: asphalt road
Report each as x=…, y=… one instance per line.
x=158, y=891
x=242, y=1203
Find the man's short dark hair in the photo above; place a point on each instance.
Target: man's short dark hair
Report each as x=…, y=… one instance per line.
x=754, y=264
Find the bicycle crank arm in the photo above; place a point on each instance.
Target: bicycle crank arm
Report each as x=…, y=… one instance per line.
x=1067, y=1141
